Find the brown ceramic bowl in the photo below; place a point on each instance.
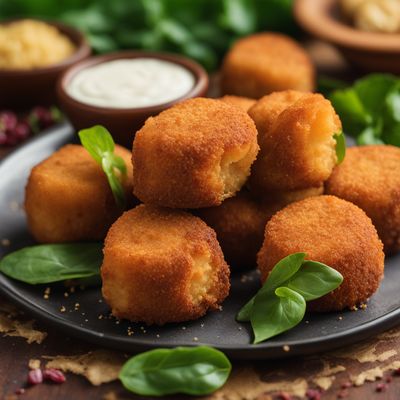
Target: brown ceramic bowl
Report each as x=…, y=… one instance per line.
x=369, y=51
x=25, y=88
x=123, y=123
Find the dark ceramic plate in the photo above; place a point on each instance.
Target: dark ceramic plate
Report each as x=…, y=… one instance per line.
x=316, y=333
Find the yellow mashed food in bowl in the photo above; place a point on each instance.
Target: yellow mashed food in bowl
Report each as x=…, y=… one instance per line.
x=29, y=44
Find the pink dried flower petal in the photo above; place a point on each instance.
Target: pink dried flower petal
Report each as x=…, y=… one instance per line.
x=35, y=376
x=54, y=375
x=381, y=387
x=313, y=394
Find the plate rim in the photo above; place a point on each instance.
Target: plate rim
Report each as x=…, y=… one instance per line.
x=245, y=351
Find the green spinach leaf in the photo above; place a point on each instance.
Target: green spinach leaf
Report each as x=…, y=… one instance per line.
x=274, y=313
x=53, y=262
x=188, y=370
x=314, y=280
x=100, y=145
x=340, y=146
x=281, y=272
x=370, y=109
x=281, y=302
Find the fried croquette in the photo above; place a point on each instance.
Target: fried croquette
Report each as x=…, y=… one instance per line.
x=264, y=63
x=290, y=196
x=332, y=231
x=242, y=102
x=195, y=154
x=68, y=197
x=369, y=177
x=266, y=110
x=162, y=265
x=299, y=150
x=239, y=223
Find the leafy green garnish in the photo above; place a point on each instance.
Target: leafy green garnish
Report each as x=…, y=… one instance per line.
x=53, y=262
x=370, y=109
x=279, y=275
x=201, y=29
x=281, y=302
x=188, y=370
x=100, y=145
x=314, y=280
x=340, y=146
x=276, y=312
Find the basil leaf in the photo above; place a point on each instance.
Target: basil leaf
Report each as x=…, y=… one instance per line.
x=314, y=280
x=189, y=370
x=369, y=136
x=370, y=109
x=372, y=91
x=244, y=314
x=53, y=262
x=274, y=309
x=100, y=145
x=392, y=103
x=281, y=272
x=340, y=146
x=274, y=313
x=351, y=111
x=391, y=132
x=97, y=141
x=113, y=180
x=239, y=16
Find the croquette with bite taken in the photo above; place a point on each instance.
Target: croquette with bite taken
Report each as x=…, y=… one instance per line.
x=266, y=110
x=162, y=265
x=298, y=150
x=332, y=231
x=194, y=154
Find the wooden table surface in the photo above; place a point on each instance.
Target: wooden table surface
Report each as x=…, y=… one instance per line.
x=374, y=361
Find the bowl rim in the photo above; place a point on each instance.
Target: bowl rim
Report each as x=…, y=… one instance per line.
x=316, y=18
x=199, y=73
x=82, y=51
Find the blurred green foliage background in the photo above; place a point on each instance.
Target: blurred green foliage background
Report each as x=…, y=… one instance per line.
x=201, y=29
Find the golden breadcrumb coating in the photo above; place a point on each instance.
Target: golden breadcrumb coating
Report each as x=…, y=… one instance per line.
x=244, y=103
x=267, y=109
x=266, y=62
x=290, y=196
x=68, y=198
x=162, y=265
x=195, y=154
x=369, y=177
x=332, y=231
x=239, y=223
x=298, y=151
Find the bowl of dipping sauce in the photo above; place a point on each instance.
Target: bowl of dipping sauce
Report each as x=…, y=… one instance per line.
x=366, y=36
x=33, y=55
x=121, y=90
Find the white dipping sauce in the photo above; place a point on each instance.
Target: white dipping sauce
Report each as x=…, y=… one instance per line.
x=130, y=83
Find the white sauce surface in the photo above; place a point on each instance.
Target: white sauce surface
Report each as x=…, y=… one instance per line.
x=131, y=83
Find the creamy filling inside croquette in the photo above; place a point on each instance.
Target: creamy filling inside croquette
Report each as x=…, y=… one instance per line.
x=322, y=145
x=234, y=169
x=201, y=278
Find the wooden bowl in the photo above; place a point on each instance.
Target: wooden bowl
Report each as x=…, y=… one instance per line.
x=28, y=87
x=123, y=122
x=369, y=51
